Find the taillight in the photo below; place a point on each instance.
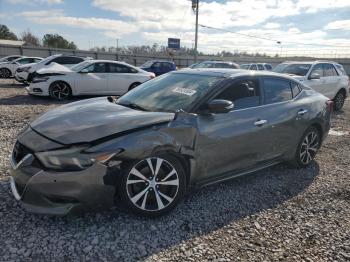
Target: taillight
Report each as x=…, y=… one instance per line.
x=152, y=75
x=330, y=105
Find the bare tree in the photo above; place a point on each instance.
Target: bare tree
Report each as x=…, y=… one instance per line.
x=30, y=39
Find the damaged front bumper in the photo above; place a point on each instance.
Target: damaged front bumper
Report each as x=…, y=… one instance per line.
x=60, y=193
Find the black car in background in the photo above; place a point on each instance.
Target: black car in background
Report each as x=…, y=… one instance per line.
x=158, y=67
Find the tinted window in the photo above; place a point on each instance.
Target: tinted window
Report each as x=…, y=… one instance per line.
x=295, y=89
x=118, y=68
x=170, y=92
x=276, y=90
x=36, y=60
x=318, y=69
x=244, y=66
x=243, y=94
x=157, y=65
x=253, y=67
x=329, y=70
x=261, y=67
x=24, y=61
x=66, y=60
x=222, y=65
x=268, y=67
x=167, y=66
x=97, y=68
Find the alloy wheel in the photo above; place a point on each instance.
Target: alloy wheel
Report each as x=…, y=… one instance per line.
x=60, y=91
x=339, y=101
x=309, y=147
x=4, y=73
x=152, y=184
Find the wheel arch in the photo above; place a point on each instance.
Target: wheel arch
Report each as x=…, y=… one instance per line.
x=134, y=83
x=62, y=81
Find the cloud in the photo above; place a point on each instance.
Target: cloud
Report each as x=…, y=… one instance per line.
x=57, y=17
x=338, y=25
x=272, y=26
x=315, y=6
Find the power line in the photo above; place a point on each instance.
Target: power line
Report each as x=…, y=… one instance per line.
x=268, y=39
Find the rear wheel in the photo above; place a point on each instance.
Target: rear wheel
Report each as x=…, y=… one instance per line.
x=60, y=90
x=339, y=100
x=307, y=148
x=5, y=73
x=153, y=186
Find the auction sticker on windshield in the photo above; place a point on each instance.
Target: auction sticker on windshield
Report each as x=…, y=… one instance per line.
x=184, y=91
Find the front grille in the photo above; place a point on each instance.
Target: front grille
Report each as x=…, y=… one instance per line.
x=20, y=151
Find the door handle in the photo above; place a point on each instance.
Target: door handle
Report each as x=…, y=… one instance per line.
x=260, y=122
x=302, y=112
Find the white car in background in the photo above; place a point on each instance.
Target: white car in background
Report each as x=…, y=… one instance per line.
x=27, y=73
x=257, y=67
x=9, y=58
x=92, y=77
x=8, y=69
x=326, y=77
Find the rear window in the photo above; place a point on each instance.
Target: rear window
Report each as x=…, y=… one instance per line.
x=340, y=69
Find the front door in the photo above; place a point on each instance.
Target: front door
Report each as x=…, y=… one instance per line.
x=92, y=80
x=236, y=140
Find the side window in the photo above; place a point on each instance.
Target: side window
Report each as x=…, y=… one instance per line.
x=36, y=60
x=12, y=58
x=276, y=90
x=24, y=61
x=318, y=69
x=243, y=94
x=60, y=60
x=97, y=68
x=295, y=89
x=253, y=67
x=117, y=68
x=166, y=66
x=261, y=67
x=157, y=65
x=329, y=70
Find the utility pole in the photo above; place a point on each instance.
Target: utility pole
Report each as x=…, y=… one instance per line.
x=117, y=45
x=195, y=7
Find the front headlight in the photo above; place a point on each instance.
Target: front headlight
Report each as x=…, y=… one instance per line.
x=72, y=159
x=40, y=79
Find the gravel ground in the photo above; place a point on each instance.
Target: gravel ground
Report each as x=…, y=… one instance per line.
x=276, y=214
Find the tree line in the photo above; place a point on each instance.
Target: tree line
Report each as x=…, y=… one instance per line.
x=29, y=39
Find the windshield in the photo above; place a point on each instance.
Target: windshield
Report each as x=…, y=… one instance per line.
x=293, y=69
x=204, y=65
x=169, y=92
x=80, y=66
x=147, y=64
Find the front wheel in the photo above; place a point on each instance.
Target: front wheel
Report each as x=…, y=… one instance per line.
x=307, y=148
x=339, y=100
x=153, y=186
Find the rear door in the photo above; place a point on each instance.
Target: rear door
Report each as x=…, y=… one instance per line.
x=283, y=115
x=93, y=81
x=121, y=77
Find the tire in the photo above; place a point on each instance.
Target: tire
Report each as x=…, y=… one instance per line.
x=153, y=186
x=132, y=86
x=60, y=90
x=339, y=100
x=5, y=73
x=307, y=148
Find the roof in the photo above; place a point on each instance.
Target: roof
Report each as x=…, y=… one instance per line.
x=308, y=62
x=11, y=42
x=230, y=73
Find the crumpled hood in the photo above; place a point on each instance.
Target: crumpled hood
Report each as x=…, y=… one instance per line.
x=91, y=119
x=54, y=68
x=27, y=65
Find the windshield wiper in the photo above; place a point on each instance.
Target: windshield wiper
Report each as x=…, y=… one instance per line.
x=133, y=106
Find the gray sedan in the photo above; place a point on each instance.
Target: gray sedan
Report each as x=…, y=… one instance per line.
x=179, y=131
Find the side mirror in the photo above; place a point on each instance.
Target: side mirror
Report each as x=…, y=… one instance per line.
x=218, y=106
x=84, y=71
x=314, y=76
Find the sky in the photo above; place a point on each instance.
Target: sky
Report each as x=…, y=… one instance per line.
x=299, y=25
